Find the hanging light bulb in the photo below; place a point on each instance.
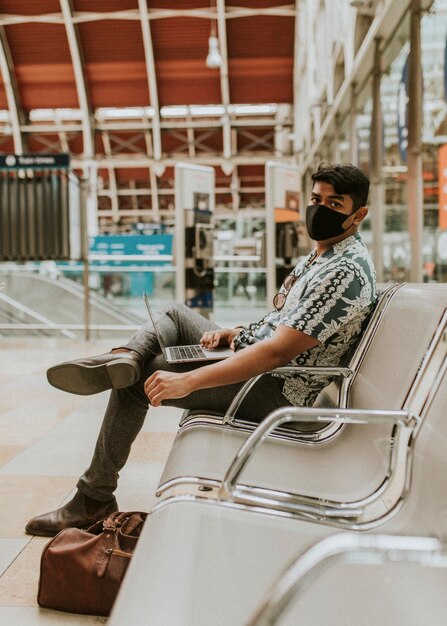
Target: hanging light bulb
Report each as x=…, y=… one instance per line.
x=214, y=58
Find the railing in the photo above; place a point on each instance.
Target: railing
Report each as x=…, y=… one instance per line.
x=86, y=278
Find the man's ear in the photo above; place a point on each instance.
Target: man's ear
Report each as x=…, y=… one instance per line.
x=355, y=218
x=360, y=215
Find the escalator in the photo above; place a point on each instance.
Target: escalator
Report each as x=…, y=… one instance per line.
x=54, y=302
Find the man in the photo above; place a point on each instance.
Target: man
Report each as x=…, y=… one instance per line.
x=318, y=316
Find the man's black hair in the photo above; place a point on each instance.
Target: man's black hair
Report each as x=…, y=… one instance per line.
x=346, y=179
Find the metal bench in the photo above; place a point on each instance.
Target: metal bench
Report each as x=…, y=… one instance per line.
x=396, y=351
x=200, y=561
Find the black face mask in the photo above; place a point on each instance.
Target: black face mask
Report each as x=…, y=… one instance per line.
x=324, y=223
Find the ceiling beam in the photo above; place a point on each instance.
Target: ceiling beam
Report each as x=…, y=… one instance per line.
x=151, y=78
x=113, y=187
x=152, y=179
x=146, y=191
x=287, y=10
x=63, y=137
x=296, y=79
x=224, y=82
x=155, y=144
x=12, y=92
x=129, y=161
x=81, y=83
x=145, y=124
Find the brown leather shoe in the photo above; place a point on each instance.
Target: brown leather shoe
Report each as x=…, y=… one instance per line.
x=80, y=512
x=112, y=370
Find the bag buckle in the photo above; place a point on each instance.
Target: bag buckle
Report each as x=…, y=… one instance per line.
x=108, y=524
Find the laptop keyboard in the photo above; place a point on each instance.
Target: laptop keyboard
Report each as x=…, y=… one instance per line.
x=187, y=352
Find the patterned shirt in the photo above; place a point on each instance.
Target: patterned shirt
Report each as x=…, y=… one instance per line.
x=330, y=300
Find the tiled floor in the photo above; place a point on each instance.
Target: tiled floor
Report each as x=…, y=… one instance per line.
x=46, y=440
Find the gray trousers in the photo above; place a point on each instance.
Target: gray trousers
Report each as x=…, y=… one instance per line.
x=127, y=408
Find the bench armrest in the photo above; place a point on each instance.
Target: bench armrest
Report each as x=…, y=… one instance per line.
x=344, y=372
x=228, y=489
x=345, y=548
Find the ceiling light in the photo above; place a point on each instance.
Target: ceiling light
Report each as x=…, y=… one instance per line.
x=120, y=113
x=210, y=110
x=227, y=167
x=158, y=169
x=53, y=115
x=174, y=111
x=214, y=58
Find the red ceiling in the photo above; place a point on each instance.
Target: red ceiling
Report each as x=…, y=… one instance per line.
x=3, y=102
x=29, y=7
x=260, y=51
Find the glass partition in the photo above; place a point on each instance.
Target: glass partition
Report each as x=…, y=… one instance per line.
x=434, y=142
x=47, y=297
x=240, y=272
x=363, y=131
x=394, y=102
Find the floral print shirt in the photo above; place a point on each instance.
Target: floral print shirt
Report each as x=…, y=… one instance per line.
x=330, y=300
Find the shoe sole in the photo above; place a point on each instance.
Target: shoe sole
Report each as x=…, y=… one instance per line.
x=41, y=533
x=85, y=380
x=51, y=532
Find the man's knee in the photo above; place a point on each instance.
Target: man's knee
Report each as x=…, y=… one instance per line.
x=183, y=316
x=176, y=309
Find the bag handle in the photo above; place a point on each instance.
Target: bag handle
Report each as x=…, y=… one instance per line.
x=131, y=523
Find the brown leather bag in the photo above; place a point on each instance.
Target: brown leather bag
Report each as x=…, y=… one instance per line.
x=81, y=571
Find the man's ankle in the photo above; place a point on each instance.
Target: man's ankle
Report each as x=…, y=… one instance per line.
x=91, y=504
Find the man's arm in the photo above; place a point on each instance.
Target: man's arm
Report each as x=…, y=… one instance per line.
x=285, y=344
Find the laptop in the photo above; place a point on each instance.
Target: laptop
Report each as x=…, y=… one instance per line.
x=186, y=354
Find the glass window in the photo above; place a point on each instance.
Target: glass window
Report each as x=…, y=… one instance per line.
x=394, y=102
x=434, y=142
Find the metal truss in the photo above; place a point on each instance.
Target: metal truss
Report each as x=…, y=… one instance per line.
x=12, y=92
x=81, y=83
x=287, y=10
x=149, y=141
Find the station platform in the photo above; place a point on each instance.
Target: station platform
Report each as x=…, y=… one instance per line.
x=47, y=438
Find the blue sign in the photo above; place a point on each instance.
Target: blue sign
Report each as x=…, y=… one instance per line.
x=135, y=277
x=135, y=245
x=147, y=245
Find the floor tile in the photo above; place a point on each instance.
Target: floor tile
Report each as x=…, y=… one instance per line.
x=18, y=585
x=19, y=428
x=29, y=496
x=46, y=440
x=8, y=452
x=65, y=450
x=151, y=446
x=137, y=485
x=162, y=419
x=9, y=550
x=35, y=616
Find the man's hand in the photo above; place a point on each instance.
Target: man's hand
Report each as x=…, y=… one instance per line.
x=220, y=337
x=167, y=386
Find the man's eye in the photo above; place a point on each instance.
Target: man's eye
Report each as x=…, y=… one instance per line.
x=337, y=205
